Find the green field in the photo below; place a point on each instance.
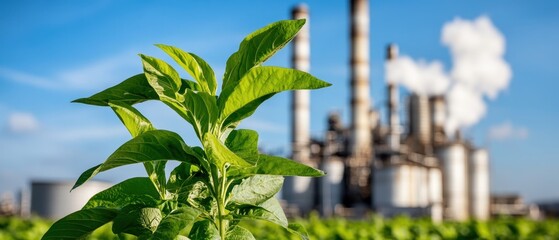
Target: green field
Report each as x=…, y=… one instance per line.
x=372, y=228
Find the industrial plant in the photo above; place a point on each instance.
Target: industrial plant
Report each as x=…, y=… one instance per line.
x=417, y=168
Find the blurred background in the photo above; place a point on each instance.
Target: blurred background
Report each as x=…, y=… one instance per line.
x=54, y=52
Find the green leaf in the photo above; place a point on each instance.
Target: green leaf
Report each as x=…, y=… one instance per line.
x=137, y=124
x=133, y=190
x=220, y=154
x=195, y=66
x=131, y=91
x=258, y=47
x=137, y=220
x=173, y=223
x=181, y=173
x=196, y=193
x=260, y=82
x=203, y=109
x=244, y=112
x=239, y=233
x=256, y=189
x=161, y=76
x=79, y=224
x=204, y=230
x=156, y=145
x=270, y=211
x=167, y=84
x=273, y=165
x=134, y=121
x=298, y=229
x=244, y=143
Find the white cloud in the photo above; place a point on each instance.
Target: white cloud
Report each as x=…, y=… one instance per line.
x=263, y=126
x=20, y=122
x=506, y=131
x=88, y=76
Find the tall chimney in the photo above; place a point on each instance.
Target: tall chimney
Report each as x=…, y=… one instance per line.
x=358, y=188
x=300, y=121
x=393, y=96
x=438, y=119
x=360, y=102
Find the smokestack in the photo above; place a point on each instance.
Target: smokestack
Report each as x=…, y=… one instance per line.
x=438, y=119
x=360, y=102
x=394, y=118
x=300, y=121
x=419, y=119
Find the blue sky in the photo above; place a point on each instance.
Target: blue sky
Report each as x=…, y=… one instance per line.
x=56, y=51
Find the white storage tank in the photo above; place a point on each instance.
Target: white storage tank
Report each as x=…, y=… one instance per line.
x=455, y=180
x=479, y=184
x=436, y=194
x=53, y=199
x=331, y=185
x=300, y=192
x=392, y=185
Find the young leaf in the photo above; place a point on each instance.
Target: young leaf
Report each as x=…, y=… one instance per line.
x=221, y=154
x=258, y=47
x=195, y=66
x=131, y=91
x=203, y=109
x=132, y=119
x=174, y=222
x=244, y=143
x=79, y=224
x=161, y=76
x=239, y=233
x=156, y=145
x=256, y=189
x=137, y=220
x=137, y=189
x=167, y=84
x=204, y=230
x=262, y=81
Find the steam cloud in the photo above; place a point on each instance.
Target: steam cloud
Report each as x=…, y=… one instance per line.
x=478, y=72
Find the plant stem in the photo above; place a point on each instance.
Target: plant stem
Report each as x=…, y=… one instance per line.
x=221, y=196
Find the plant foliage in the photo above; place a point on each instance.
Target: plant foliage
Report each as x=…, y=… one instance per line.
x=215, y=187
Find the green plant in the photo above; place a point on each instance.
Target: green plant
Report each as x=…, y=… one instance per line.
x=216, y=186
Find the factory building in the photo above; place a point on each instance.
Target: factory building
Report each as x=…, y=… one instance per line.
x=386, y=167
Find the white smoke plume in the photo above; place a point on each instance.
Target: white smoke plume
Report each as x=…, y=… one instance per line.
x=420, y=76
x=478, y=72
x=477, y=49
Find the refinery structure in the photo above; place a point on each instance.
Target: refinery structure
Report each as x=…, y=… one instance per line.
x=390, y=168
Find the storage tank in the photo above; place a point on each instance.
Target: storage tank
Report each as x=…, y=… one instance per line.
x=436, y=194
x=300, y=193
x=479, y=184
x=392, y=185
x=331, y=185
x=455, y=180
x=53, y=199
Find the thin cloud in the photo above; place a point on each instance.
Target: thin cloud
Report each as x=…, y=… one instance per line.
x=507, y=131
x=85, y=77
x=264, y=126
